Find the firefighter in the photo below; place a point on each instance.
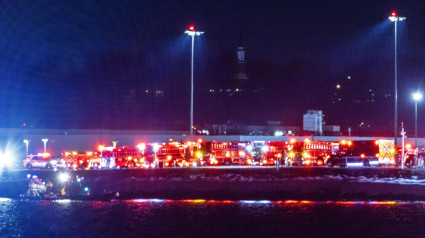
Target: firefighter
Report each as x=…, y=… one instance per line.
x=284, y=158
x=36, y=188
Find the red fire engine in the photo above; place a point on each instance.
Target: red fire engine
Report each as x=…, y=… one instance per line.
x=308, y=152
x=170, y=154
x=276, y=151
x=175, y=154
x=130, y=156
x=265, y=153
x=75, y=160
x=226, y=152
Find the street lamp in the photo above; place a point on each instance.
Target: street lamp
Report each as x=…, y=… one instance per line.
x=26, y=142
x=395, y=19
x=416, y=96
x=45, y=142
x=191, y=32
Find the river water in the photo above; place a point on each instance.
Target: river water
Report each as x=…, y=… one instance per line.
x=209, y=218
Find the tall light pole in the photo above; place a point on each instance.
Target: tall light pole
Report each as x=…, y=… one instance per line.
x=45, y=142
x=416, y=96
x=394, y=18
x=191, y=32
x=26, y=142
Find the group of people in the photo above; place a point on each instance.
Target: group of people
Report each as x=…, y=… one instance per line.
x=37, y=188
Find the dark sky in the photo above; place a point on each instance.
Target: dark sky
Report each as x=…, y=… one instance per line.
x=126, y=64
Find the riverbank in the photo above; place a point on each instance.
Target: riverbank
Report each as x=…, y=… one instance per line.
x=316, y=184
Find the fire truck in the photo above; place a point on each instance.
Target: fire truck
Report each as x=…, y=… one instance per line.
x=275, y=152
x=176, y=154
x=219, y=153
x=130, y=156
x=170, y=154
x=75, y=160
x=266, y=153
x=363, y=153
x=308, y=152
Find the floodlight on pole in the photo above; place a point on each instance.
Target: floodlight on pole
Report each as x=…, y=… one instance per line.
x=26, y=142
x=395, y=18
x=191, y=32
x=416, y=96
x=45, y=142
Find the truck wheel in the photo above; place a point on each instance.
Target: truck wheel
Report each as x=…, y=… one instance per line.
x=131, y=165
x=319, y=162
x=49, y=166
x=29, y=166
x=330, y=164
x=83, y=166
x=366, y=163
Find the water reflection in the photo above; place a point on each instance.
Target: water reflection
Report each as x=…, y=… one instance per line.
x=211, y=218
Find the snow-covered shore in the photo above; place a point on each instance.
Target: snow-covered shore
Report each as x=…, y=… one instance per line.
x=211, y=183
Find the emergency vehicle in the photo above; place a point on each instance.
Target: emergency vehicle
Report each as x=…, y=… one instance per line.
x=42, y=161
x=266, y=153
x=363, y=153
x=170, y=154
x=275, y=152
x=220, y=153
x=128, y=156
x=411, y=158
x=308, y=152
x=176, y=154
x=75, y=160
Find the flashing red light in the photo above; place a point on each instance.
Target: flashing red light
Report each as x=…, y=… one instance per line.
x=393, y=13
x=191, y=28
x=362, y=155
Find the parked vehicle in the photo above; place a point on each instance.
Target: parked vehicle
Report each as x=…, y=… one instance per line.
x=43, y=161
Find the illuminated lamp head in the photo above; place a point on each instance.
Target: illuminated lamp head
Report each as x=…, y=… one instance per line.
x=101, y=148
x=141, y=146
x=408, y=146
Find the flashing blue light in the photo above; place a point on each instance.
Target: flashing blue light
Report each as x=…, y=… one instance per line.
x=86, y=189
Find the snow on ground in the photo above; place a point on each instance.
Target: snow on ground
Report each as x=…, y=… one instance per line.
x=242, y=184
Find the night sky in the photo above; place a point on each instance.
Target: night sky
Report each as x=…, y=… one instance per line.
x=126, y=64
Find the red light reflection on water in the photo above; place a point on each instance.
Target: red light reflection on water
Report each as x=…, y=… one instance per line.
x=282, y=202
